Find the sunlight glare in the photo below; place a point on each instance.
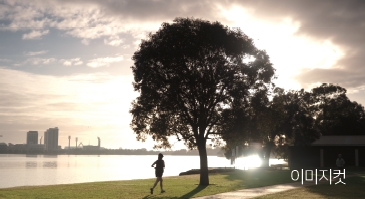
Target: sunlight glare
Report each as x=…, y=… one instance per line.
x=290, y=51
x=248, y=162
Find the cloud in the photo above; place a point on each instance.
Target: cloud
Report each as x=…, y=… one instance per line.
x=38, y=61
x=337, y=76
x=35, y=34
x=92, y=77
x=70, y=62
x=340, y=22
x=114, y=41
x=46, y=61
x=89, y=19
x=38, y=102
x=32, y=53
x=104, y=62
x=5, y=60
x=292, y=31
x=86, y=42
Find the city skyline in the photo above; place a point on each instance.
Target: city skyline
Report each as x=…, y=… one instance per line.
x=67, y=64
x=32, y=138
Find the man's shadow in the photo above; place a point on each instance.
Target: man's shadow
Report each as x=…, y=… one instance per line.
x=187, y=195
x=193, y=192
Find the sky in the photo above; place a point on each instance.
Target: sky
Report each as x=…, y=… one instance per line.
x=66, y=63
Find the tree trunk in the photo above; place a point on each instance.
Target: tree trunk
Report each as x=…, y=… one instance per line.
x=267, y=152
x=204, y=178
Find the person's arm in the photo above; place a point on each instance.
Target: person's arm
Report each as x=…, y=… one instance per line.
x=153, y=164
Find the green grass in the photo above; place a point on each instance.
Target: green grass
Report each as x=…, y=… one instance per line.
x=176, y=187
x=187, y=187
x=354, y=188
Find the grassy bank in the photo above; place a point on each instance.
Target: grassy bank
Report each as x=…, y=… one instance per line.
x=176, y=187
x=187, y=187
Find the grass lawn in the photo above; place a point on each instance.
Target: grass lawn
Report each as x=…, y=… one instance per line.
x=176, y=187
x=187, y=187
x=354, y=188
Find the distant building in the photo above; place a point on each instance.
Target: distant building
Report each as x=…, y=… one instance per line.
x=324, y=152
x=3, y=147
x=20, y=148
x=51, y=139
x=91, y=148
x=32, y=137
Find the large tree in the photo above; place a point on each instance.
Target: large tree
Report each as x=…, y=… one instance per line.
x=335, y=113
x=188, y=73
x=286, y=119
x=297, y=123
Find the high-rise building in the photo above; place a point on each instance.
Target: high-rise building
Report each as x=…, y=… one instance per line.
x=32, y=137
x=51, y=139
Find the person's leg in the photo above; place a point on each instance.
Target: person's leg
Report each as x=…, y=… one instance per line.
x=157, y=179
x=161, y=184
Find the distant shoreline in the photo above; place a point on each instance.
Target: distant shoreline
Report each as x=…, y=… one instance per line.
x=210, y=152
x=34, y=154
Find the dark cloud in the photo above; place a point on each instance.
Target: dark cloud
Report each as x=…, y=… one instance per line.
x=335, y=76
x=341, y=22
x=157, y=10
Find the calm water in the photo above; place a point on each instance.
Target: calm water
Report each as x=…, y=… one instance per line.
x=25, y=170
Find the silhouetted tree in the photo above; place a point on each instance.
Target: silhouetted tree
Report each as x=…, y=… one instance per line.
x=298, y=124
x=292, y=118
x=286, y=119
x=292, y=123
x=188, y=74
x=336, y=114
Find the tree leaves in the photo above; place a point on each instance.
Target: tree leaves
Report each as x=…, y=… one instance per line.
x=194, y=70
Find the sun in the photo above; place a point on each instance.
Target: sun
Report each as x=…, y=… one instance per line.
x=248, y=162
x=291, y=51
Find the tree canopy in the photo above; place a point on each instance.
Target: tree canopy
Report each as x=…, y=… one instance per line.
x=336, y=114
x=189, y=74
x=286, y=119
x=294, y=117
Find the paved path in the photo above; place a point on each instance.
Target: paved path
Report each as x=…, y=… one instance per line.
x=255, y=192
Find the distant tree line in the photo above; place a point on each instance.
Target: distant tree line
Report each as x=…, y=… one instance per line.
x=80, y=151
x=294, y=117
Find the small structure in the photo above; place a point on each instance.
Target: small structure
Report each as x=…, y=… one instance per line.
x=92, y=148
x=324, y=152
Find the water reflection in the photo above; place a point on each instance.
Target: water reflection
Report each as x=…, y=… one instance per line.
x=50, y=156
x=50, y=164
x=31, y=164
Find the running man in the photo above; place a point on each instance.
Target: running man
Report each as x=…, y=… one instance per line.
x=160, y=165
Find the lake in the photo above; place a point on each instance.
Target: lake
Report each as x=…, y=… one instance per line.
x=30, y=170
